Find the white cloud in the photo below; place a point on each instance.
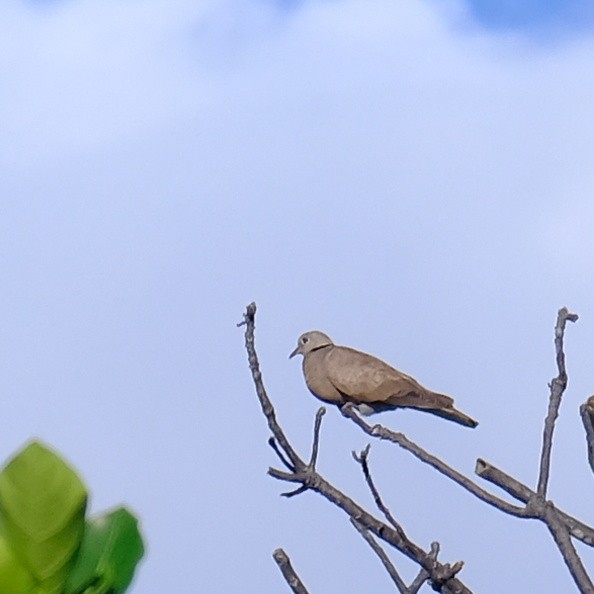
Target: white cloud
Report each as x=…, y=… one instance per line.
x=87, y=73
x=166, y=158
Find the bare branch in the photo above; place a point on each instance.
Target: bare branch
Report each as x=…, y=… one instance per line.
x=423, y=575
x=421, y=578
x=570, y=556
x=280, y=454
x=442, y=576
x=587, y=413
x=492, y=474
x=419, y=581
x=267, y=408
x=362, y=460
x=314, y=449
x=560, y=524
x=523, y=493
x=405, y=443
x=558, y=385
x=389, y=566
x=284, y=563
x=297, y=491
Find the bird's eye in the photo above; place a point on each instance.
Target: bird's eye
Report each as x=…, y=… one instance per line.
x=305, y=340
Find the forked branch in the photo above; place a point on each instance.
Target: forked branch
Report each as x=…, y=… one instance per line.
x=561, y=525
x=442, y=576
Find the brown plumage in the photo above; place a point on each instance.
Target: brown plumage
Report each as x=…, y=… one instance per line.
x=338, y=375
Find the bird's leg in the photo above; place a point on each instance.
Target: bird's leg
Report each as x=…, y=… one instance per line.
x=365, y=409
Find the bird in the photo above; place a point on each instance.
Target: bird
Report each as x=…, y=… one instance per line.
x=339, y=375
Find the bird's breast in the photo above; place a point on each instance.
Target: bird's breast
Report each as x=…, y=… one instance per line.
x=316, y=378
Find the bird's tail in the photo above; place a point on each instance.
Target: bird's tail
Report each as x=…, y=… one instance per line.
x=453, y=414
x=436, y=404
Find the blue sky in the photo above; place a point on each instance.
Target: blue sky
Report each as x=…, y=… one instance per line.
x=412, y=179
x=533, y=14
x=530, y=16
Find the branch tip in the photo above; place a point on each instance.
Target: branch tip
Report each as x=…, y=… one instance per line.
x=587, y=414
x=248, y=316
x=291, y=577
x=362, y=455
x=557, y=388
x=297, y=491
x=316, y=438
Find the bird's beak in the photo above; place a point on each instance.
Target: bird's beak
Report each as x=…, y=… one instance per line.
x=294, y=353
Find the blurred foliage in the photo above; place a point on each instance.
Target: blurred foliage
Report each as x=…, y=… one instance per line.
x=47, y=545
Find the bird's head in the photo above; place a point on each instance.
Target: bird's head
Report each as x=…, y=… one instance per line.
x=310, y=341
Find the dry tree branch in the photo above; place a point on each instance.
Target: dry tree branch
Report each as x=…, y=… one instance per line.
x=311, y=466
x=587, y=414
x=284, y=563
x=389, y=566
x=557, y=386
x=483, y=469
x=516, y=489
x=442, y=576
x=377, y=549
x=417, y=451
x=550, y=516
x=267, y=408
x=560, y=524
x=422, y=577
x=362, y=460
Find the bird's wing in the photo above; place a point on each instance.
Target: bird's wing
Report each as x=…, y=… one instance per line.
x=364, y=378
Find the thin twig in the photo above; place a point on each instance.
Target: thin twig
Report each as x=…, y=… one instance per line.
x=284, y=563
x=443, y=576
x=422, y=577
x=250, y=325
x=523, y=493
x=587, y=413
x=405, y=443
x=560, y=525
x=570, y=556
x=503, y=480
x=388, y=565
x=558, y=385
x=316, y=439
x=418, y=582
x=362, y=460
x=297, y=491
x=280, y=454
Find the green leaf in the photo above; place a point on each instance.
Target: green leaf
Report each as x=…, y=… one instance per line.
x=110, y=550
x=14, y=578
x=42, y=507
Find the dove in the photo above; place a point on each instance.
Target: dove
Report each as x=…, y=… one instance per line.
x=339, y=374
